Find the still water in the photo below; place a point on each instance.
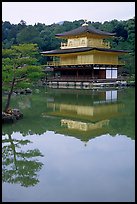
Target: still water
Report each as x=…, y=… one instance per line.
x=71, y=145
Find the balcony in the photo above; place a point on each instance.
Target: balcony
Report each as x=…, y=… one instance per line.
x=85, y=44
x=73, y=45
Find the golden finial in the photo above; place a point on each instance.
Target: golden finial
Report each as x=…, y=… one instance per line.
x=85, y=23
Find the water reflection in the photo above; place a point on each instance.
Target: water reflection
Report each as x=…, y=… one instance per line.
x=83, y=114
x=82, y=126
x=19, y=166
x=88, y=139
x=103, y=171
x=89, y=114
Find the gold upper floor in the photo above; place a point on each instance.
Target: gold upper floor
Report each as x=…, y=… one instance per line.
x=78, y=42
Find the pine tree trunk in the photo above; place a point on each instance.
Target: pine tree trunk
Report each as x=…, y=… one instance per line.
x=9, y=95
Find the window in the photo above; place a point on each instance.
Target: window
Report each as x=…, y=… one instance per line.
x=108, y=74
x=114, y=73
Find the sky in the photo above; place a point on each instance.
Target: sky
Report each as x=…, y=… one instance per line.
x=54, y=12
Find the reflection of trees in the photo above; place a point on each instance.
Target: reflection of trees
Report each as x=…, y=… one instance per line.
x=19, y=166
x=79, y=105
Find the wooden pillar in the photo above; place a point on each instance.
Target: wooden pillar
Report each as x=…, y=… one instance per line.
x=77, y=73
x=93, y=72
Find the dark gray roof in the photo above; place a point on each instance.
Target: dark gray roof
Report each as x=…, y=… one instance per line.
x=82, y=49
x=83, y=30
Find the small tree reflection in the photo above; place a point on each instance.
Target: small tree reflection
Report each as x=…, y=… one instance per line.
x=19, y=166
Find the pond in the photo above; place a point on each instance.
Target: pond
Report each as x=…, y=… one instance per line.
x=71, y=145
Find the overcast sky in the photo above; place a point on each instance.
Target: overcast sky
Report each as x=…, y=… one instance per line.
x=54, y=12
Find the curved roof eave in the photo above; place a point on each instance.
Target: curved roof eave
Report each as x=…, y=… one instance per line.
x=83, y=49
x=84, y=30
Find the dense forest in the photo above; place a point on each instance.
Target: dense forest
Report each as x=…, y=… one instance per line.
x=44, y=36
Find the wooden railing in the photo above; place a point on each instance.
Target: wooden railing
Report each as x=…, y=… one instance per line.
x=99, y=44
x=53, y=63
x=89, y=44
x=73, y=45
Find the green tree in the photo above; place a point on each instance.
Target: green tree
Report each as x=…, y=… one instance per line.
x=20, y=64
x=28, y=34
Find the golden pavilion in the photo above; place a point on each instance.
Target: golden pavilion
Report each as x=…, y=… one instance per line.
x=86, y=56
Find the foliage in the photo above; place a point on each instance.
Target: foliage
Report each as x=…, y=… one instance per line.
x=20, y=64
x=20, y=61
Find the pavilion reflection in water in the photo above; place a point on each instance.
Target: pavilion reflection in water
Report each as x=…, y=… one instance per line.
x=71, y=124
x=85, y=115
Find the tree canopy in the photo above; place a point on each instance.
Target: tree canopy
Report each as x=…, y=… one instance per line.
x=44, y=35
x=20, y=67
